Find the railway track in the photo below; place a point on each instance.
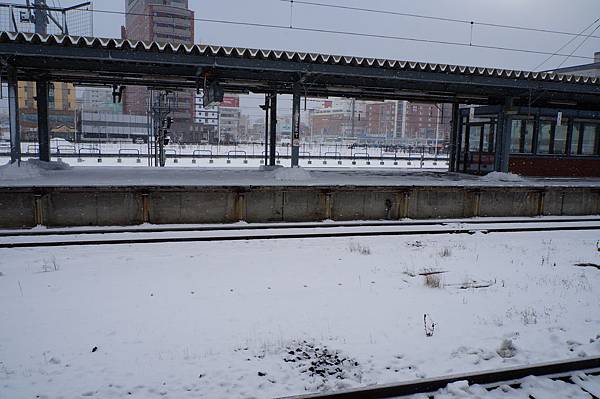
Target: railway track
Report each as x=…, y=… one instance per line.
x=279, y=226
x=30, y=239
x=583, y=376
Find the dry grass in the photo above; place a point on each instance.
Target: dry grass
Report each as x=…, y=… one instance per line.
x=356, y=247
x=50, y=265
x=433, y=281
x=444, y=253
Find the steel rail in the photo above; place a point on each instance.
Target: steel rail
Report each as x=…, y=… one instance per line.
x=491, y=379
x=279, y=226
x=161, y=240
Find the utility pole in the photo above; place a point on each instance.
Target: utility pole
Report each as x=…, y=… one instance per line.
x=161, y=122
x=437, y=129
x=41, y=17
x=352, y=117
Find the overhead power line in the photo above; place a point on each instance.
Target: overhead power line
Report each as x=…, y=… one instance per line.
x=566, y=44
x=355, y=34
x=431, y=17
x=580, y=44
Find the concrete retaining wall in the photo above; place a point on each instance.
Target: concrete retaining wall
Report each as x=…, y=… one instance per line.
x=83, y=206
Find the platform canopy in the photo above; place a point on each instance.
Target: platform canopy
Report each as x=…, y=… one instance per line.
x=86, y=60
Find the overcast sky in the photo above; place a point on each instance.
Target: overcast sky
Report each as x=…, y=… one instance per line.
x=569, y=16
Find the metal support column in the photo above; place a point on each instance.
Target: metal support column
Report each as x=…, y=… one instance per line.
x=454, y=138
x=502, y=142
x=13, y=110
x=296, y=126
x=273, y=129
x=266, y=108
x=41, y=16
x=41, y=89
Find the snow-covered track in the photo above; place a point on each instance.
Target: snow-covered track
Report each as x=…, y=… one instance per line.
x=77, y=237
x=279, y=226
x=582, y=373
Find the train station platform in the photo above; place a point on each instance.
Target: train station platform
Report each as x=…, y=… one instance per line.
x=54, y=194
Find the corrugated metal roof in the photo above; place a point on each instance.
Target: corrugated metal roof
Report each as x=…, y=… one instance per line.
x=249, y=53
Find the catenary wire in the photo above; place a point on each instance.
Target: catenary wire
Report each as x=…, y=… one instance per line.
x=354, y=34
x=431, y=17
x=566, y=44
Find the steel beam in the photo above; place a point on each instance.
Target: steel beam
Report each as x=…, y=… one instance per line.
x=13, y=110
x=266, y=108
x=87, y=64
x=454, y=138
x=295, y=126
x=502, y=147
x=273, y=129
x=41, y=89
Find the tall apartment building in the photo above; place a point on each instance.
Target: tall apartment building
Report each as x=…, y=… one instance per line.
x=162, y=21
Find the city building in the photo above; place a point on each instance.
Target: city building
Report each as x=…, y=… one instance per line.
x=206, y=120
x=421, y=123
x=382, y=119
x=62, y=109
x=229, y=120
x=338, y=119
x=97, y=100
x=162, y=21
x=113, y=127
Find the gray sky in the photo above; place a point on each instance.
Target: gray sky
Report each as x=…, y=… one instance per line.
x=570, y=16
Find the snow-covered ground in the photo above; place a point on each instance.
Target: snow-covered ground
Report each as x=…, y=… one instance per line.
x=283, y=317
x=36, y=173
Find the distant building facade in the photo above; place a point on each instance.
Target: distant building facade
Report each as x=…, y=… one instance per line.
x=206, y=120
x=113, y=127
x=98, y=100
x=382, y=119
x=229, y=120
x=162, y=21
x=420, y=123
x=62, y=110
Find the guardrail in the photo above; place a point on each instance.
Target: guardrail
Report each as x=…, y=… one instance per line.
x=235, y=155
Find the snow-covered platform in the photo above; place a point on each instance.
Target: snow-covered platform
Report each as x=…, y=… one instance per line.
x=58, y=174
x=57, y=194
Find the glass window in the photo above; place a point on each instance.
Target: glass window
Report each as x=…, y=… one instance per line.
x=515, y=135
x=474, y=138
x=575, y=138
x=521, y=136
x=544, y=137
x=488, y=138
x=589, y=140
x=527, y=137
x=560, y=139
